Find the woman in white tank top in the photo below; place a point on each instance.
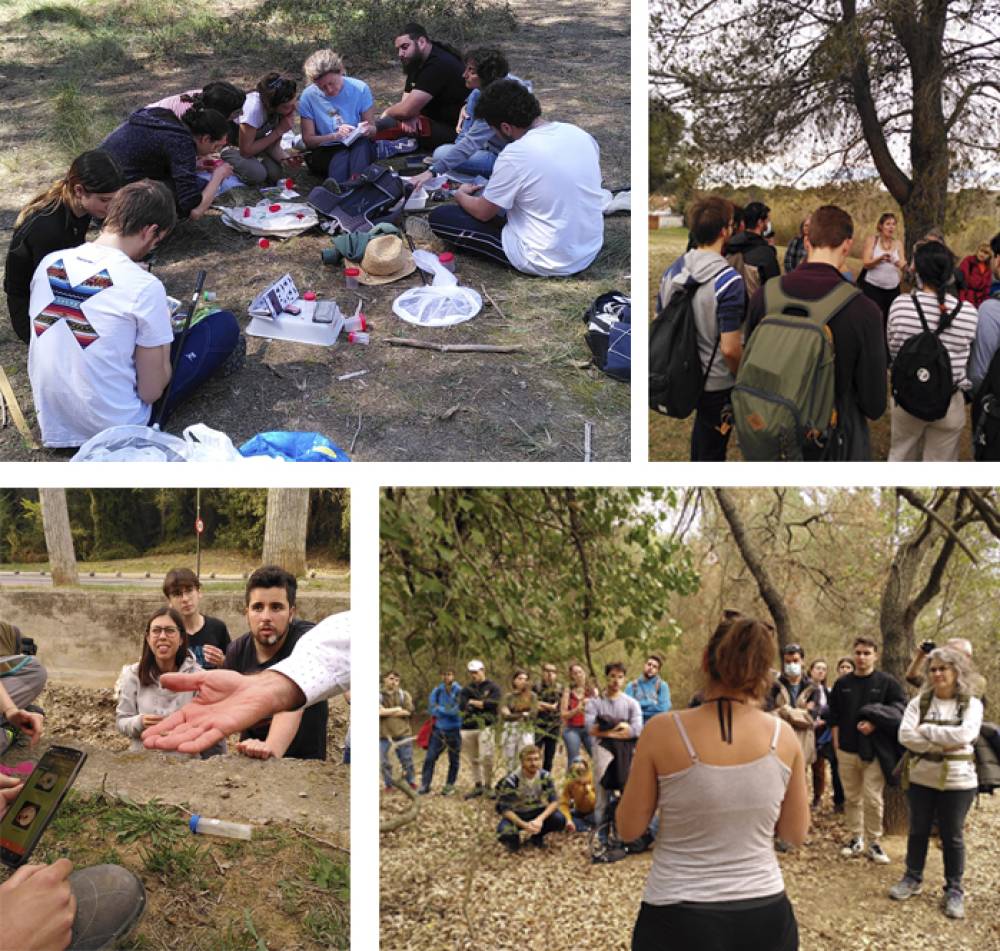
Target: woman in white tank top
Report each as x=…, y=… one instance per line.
x=726, y=778
x=883, y=261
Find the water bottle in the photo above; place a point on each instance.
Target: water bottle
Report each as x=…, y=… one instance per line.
x=231, y=830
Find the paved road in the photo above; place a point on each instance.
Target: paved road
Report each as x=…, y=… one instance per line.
x=34, y=579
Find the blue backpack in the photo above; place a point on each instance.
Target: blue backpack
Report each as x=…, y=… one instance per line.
x=609, y=334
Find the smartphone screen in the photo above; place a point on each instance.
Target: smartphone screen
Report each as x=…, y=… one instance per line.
x=25, y=821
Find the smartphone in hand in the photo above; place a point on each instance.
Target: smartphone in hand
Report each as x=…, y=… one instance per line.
x=39, y=800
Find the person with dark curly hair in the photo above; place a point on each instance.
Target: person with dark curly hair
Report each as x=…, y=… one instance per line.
x=541, y=212
x=268, y=113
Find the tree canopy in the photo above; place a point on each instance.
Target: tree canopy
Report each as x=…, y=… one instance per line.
x=856, y=80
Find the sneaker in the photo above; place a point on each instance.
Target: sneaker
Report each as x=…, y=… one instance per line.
x=448, y=790
x=110, y=901
x=954, y=904
x=511, y=845
x=905, y=888
x=424, y=791
x=876, y=854
x=388, y=789
x=853, y=848
x=538, y=842
x=413, y=786
x=474, y=793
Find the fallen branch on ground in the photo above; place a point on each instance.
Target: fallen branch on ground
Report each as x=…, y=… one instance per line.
x=452, y=347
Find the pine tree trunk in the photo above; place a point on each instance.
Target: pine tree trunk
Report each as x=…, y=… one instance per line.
x=58, y=536
x=285, y=529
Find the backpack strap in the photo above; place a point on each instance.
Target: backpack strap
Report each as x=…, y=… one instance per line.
x=820, y=311
x=944, y=322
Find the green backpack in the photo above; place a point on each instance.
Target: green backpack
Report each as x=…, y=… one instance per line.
x=784, y=393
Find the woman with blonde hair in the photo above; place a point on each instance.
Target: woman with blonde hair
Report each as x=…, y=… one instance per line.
x=726, y=779
x=331, y=109
x=571, y=710
x=939, y=773
x=884, y=261
x=55, y=219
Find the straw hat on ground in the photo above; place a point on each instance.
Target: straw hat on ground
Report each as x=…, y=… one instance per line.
x=386, y=259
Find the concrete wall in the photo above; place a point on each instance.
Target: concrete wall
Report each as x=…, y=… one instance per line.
x=84, y=637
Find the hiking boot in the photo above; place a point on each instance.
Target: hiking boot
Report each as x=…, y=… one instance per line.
x=876, y=854
x=110, y=901
x=853, y=848
x=905, y=888
x=448, y=790
x=475, y=793
x=954, y=904
x=511, y=845
x=413, y=786
x=538, y=842
x=424, y=791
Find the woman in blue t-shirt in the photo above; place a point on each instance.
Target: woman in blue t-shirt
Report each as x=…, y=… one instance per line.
x=331, y=109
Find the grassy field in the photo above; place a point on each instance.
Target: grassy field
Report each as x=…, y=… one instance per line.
x=669, y=439
x=74, y=70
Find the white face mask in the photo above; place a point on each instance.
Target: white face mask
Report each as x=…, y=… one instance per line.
x=793, y=670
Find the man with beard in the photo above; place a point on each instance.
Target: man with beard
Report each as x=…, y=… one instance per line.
x=433, y=95
x=274, y=632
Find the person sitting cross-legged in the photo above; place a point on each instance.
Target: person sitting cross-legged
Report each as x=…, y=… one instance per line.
x=542, y=210
x=527, y=802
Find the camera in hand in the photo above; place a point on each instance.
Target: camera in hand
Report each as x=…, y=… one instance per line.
x=927, y=646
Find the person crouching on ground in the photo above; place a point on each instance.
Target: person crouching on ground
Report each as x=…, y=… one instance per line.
x=330, y=109
x=938, y=729
x=100, y=350
x=726, y=778
x=578, y=798
x=141, y=700
x=541, y=211
x=526, y=802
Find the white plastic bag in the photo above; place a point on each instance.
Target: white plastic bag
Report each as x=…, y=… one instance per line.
x=443, y=304
x=290, y=219
x=132, y=444
x=205, y=444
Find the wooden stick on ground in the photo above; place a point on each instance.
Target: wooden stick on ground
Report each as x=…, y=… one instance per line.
x=588, y=429
x=10, y=399
x=452, y=347
x=496, y=306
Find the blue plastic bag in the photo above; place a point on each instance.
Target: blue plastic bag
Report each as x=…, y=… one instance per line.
x=294, y=447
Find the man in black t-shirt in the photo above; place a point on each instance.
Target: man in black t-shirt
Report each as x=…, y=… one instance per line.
x=208, y=636
x=854, y=739
x=274, y=632
x=434, y=92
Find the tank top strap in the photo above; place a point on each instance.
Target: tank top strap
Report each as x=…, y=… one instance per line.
x=684, y=737
x=777, y=733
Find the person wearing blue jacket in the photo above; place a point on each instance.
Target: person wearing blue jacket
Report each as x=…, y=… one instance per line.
x=650, y=690
x=447, y=732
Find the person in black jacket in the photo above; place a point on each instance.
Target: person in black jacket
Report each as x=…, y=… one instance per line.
x=154, y=143
x=479, y=702
x=750, y=242
x=55, y=219
x=859, y=742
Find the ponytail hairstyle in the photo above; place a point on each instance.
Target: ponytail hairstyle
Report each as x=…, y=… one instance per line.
x=275, y=90
x=95, y=172
x=202, y=121
x=219, y=95
x=738, y=656
x=935, y=266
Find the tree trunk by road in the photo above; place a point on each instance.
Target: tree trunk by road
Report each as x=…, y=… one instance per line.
x=755, y=564
x=58, y=536
x=285, y=529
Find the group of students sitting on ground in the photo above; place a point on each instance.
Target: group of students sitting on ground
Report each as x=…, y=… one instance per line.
x=797, y=363
x=102, y=349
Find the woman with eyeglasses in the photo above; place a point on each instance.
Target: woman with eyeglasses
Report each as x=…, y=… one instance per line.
x=141, y=700
x=939, y=773
x=331, y=108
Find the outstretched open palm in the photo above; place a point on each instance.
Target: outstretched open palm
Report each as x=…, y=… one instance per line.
x=227, y=702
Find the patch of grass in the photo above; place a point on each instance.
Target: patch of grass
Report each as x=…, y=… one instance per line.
x=161, y=824
x=327, y=927
x=329, y=874
x=176, y=864
x=63, y=14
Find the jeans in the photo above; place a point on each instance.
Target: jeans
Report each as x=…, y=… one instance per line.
x=450, y=740
x=951, y=806
x=340, y=162
x=208, y=345
x=510, y=834
x=574, y=737
x=707, y=443
x=458, y=227
x=480, y=162
x=404, y=753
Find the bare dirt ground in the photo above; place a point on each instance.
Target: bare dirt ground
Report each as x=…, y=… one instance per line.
x=445, y=882
x=409, y=404
x=313, y=795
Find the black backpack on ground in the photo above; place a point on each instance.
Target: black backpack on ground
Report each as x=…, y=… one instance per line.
x=676, y=376
x=921, y=373
x=369, y=198
x=609, y=334
x=986, y=433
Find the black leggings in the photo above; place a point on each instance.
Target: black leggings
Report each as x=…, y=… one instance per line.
x=762, y=924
